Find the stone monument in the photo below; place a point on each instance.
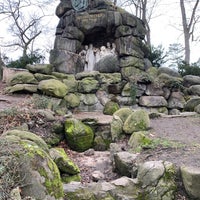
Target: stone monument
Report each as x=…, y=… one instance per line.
x=114, y=37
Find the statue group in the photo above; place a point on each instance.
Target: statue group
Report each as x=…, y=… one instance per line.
x=91, y=55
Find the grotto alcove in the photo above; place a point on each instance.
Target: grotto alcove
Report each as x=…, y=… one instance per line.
x=98, y=24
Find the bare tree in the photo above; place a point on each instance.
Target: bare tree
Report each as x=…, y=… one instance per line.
x=189, y=24
x=24, y=18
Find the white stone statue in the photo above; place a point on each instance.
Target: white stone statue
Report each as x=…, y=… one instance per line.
x=108, y=49
x=90, y=58
x=103, y=52
x=97, y=55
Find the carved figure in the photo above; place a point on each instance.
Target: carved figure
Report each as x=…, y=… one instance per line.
x=108, y=49
x=103, y=52
x=97, y=55
x=90, y=58
x=113, y=50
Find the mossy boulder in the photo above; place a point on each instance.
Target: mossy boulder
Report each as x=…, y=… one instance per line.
x=123, y=113
x=78, y=135
x=138, y=141
x=157, y=178
x=38, y=175
x=40, y=68
x=112, y=78
x=137, y=121
x=88, y=85
x=192, y=103
x=110, y=108
x=53, y=87
x=41, y=77
x=64, y=163
x=72, y=100
x=23, y=78
x=71, y=83
x=22, y=87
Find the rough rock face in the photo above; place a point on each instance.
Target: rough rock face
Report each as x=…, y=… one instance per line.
x=99, y=24
x=25, y=159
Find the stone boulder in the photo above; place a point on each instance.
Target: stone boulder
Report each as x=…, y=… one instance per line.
x=137, y=121
x=53, y=87
x=41, y=77
x=123, y=113
x=72, y=100
x=28, y=162
x=191, y=104
x=23, y=78
x=157, y=178
x=116, y=128
x=40, y=68
x=22, y=88
x=107, y=64
x=124, y=162
x=194, y=90
x=152, y=101
x=176, y=100
x=138, y=141
x=88, y=85
x=169, y=71
x=78, y=135
x=191, y=181
x=190, y=80
x=110, y=108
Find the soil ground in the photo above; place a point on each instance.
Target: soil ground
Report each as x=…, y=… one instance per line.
x=179, y=136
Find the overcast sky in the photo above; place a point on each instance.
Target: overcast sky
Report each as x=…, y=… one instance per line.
x=164, y=28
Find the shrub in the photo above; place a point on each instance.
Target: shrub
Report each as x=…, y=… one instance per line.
x=187, y=69
x=32, y=58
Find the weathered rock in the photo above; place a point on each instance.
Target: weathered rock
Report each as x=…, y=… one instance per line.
x=152, y=101
x=169, y=71
x=123, y=113
x=157, y=179
x=190, y=176
x=71, y=83
x=194, y=90
x=37, y=172
x=78, y=135
x=192, y=103
x=110, y=107
x=41, y=77
x=22, y=88
x=53, y=87
x=138, y=141
x=40, y=68
x=174, y=112
x=108, y=64
x=97, y=176
x=190, y=80
x=89, y=99
x=66, y=178
x=124, y=163
x=66, y=61
x=154, y=90
x=110, y=78
x=176, y=100
x=137, y=121
x=88, y=85
x=116, y=128
x=197, y=109
x=93, y=74
x=72, y=100
x=64, y=163
x=131, y=61
x=23, y=78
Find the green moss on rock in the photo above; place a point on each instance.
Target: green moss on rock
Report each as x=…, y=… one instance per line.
x=137, y=121
x=78, y=135
x=110, y=108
